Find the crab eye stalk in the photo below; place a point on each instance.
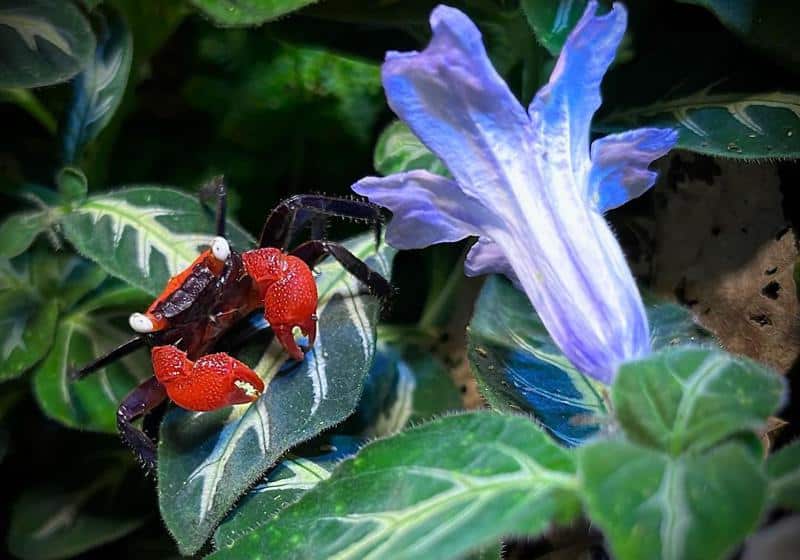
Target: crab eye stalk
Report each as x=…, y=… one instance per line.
x=220, y=249
x=141, y=323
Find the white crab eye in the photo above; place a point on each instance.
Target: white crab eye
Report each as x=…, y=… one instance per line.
x=140, y=323
x=220, y=249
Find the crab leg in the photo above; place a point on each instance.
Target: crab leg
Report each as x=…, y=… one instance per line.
x=139, y=402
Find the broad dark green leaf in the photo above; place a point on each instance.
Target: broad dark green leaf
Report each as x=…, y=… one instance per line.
x=64, y=519
x=519, y=367
x=552, y=20
x=737, y=16
x=144, y=235
x=98, y=89
x=736, y=125
x=28, y=325
x=19, y=231
x=247, y=12
x=43, y=42
x=436, y=491
x=688, y=399
x=87, y=332
x=653, y=505
x=399, y=150
x=207, y=461
x=783, y=469
x=299, y=472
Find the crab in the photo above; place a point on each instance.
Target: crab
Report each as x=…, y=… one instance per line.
x=222, y=289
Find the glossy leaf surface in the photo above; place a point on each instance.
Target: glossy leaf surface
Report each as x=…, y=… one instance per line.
x=43, y=42
x=435, y=491
x=97, y=90
x=145, y=235
x=208, y=460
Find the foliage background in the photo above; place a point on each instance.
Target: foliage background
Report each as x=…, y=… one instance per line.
x=295, y=105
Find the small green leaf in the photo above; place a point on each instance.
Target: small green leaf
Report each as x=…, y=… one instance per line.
x=247, y=12
x=653, y=505
x=783, y=469
x=62, y=521
x=436, y=491
x=688, y=398
x=72, y=184
x=736, y=125
x=98, y=89
x=28, y=326
x=553, y=20
x=83, y=335
x=399, y=150
x=299, y=472
x=208, y=461
x=145, y=235
x=19, y=231
x=43, y=42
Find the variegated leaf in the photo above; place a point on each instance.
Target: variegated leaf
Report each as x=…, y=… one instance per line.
x=208, y=460
x=437, y=491
x=298, y=473
x=43, y=42
x=145, y=235
x=98, y=89
x=736, y=125
x=85, y=333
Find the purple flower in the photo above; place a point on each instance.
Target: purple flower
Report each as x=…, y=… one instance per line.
x=525, y=182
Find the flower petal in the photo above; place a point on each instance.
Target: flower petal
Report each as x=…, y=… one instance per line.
x=427, y=208
x=561, y=113
x=486, y=257
x=620, y=165
x=458, y=106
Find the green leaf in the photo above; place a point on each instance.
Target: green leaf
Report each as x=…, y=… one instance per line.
x=247, y=12
x=736, y=125
x=519, y=368
x=19, y=231
x=59, y=520
x=98, y=89
x=653, y=505
x=688, y=399
x=399, y=150
x=86, y=333
x=553, y=20
x=144, y=235
x=43, y=42
x=300, y=471
x=737, y=16
x=72, y=184
x=783, y=469
x=436, y=491
x=28, y=327
x=207, y=461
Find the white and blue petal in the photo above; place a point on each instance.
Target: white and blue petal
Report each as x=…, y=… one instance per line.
x=620, y=162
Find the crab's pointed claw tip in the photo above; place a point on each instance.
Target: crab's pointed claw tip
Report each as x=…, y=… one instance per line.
x=285, y=336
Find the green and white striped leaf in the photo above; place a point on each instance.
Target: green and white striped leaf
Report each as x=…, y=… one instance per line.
x=81, y=336
x=295, y=475
x=82, y=507
x=399, y=150
x=736, y=125
x=689, y=399
x=553, y=20
x=653, y=505
x=247, y=12
x=207, y=461
x=144, y=235
x=437, y=491
x=43, y=42
x=98, y=89
x=783, y=468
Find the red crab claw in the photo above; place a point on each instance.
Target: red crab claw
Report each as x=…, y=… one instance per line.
x=213, y=381
x=284, y=334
